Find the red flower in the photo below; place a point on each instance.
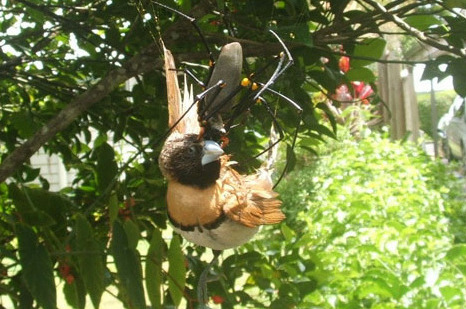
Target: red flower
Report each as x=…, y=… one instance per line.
x=365, y=92
x=217, y=299
x=357, y=86
x=344, y=64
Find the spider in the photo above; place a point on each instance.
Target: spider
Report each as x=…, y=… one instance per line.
x=217, y=112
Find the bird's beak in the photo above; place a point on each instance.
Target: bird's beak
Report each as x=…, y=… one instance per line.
x=211, y=152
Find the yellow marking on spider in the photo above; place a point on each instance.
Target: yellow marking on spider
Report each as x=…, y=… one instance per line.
x=245, y=82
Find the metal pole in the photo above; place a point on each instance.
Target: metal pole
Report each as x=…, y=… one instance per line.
x=434, y=115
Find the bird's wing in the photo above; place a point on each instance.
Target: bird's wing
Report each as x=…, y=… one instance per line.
x=249, y=200
x=182, y=112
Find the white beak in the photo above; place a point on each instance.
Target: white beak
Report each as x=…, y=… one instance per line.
x=211, y=152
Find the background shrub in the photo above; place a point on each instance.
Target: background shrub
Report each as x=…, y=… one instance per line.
x=443, y=98
x=372, y=225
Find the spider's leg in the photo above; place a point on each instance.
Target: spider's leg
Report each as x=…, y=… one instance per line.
x=214, y=88
x=296, y=131
x=275, y=124
x=285, y=60
x=281, y=67
x=197, y=98
x=279, y=128
x=191, y=75
x=193, y=22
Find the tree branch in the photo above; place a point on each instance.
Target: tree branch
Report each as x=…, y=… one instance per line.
x=415, y=32
x=137, y=65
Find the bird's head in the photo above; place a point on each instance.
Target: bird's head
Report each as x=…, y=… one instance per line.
x=191, y=161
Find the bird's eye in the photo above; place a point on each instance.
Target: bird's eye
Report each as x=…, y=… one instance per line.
x=192, y=150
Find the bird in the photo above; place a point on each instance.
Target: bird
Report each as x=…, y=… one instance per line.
x=209, y=203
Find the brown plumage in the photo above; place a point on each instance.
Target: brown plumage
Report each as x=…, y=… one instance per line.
x=248, y=200
x=209, y=202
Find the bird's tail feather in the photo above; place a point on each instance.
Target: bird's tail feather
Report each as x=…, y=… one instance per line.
x=182, y=112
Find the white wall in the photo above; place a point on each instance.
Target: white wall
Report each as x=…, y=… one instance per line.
x=52, y=169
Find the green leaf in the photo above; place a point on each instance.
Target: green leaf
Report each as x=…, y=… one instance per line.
x=29, y=173
x=290, y=158
x=455, y=4
x=113, y=207
x=376, y=287
x=330, y=116
x=298, y=33
x=90, y=260
x=418, y=283
x=154, y=269
x=128, y=267
x=457, y=68
x=324, y=130
x=361, y=74
x=37, y=218
x=36, y=267
x=386, y=279
x=422, y=22
x=25, y=299
x=24, y=123
x=107, y=167
x=40, y=207
x=176, y=270
x=432, y=69
x=20, y=200
x=371, y=48
x=287, y=233
x=75, y=293
x=457, y=252
x=138, y=94
x=100, y=140
x=450, y=293
x=324, y=78
x=133, y=233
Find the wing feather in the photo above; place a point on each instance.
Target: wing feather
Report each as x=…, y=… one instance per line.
x=249, y=200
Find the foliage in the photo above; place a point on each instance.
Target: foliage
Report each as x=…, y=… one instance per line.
x=64, y=64
x=367, y=227
x=444, y=99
